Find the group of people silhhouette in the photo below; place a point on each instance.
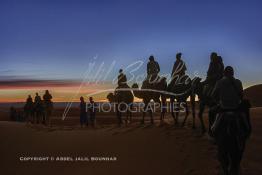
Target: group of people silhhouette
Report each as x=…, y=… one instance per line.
x=38, y=110
x=87, y=112
x=229, y=120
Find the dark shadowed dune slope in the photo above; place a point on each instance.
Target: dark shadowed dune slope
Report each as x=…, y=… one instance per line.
x=254, y=94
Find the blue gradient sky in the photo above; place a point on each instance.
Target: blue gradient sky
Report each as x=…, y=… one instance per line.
x=55, y=39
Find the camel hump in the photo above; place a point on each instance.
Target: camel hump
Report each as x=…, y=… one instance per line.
x=180, y=85
x=152, y=82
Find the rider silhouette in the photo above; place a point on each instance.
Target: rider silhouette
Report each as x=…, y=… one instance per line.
x=231, y=127
x=228, y=91
x=179, y=67
x=152, y=68
x=215, y=70
x=121, y=78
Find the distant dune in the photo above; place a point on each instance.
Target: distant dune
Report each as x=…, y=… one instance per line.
x=254, y=94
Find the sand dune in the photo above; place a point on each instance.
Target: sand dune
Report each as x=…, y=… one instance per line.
x=254, y=94
x=139, y=150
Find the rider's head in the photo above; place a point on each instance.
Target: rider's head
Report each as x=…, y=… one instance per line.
x=90, y=98
x=81, y=98
x=120, y=71
x=36, y=94
x=178, y=56
x=213, y=56
x=219, y=59
x=47, y=92
x=151, y=58
x=229, y=71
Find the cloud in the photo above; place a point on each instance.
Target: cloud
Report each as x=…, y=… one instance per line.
x=33, y=83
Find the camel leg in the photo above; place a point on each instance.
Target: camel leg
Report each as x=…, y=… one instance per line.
x=144, y=114
x=48, y=118
x=126, y=120
x=187, y=113
x=130, y=113
x=177, y=111
x=127, y=117
x=172, y=110
x=143, y=118
x=120, y=122
x=200, y=116
x=145, y=111
x=193, y=104
x=119, y=117
x=151, y=117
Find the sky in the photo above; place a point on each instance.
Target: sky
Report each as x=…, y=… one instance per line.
x=53, y=44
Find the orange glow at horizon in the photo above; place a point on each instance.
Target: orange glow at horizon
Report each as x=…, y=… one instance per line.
x=66, y=93
x=60, y=94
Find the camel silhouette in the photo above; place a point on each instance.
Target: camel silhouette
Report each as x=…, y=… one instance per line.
x=123, y=98
x=150, y=91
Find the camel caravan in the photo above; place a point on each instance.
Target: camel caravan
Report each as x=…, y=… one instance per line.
x=221, y=92
x=229, y=120
x=155, y=89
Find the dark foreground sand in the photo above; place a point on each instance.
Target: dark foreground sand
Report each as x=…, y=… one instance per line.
x=139, y=150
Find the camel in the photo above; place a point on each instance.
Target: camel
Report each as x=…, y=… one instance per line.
x=182, y=88
x=150, y=91
x=231, y=130
x=203, y=92
x=123, y=98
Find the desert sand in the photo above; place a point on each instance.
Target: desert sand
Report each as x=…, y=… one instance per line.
x=139, y=149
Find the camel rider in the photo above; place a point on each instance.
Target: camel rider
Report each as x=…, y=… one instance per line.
x=121, y=78
x=47, y=96
x=228, y=91
x=152, y=68
x=214, y=73
x=179, y=67
x=215, y=70
x=229, y=94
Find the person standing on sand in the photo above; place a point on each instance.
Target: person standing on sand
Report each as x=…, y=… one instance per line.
x=38, y=108
x=48, y=107
x=83, y=112
x=47, y=96
x=37, y=98
x=92, y=111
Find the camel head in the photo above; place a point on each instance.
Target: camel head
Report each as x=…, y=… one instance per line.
x=135, y=86
x=137, y=91
x=110, y=97
x=196, y=81
x=197, y=85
